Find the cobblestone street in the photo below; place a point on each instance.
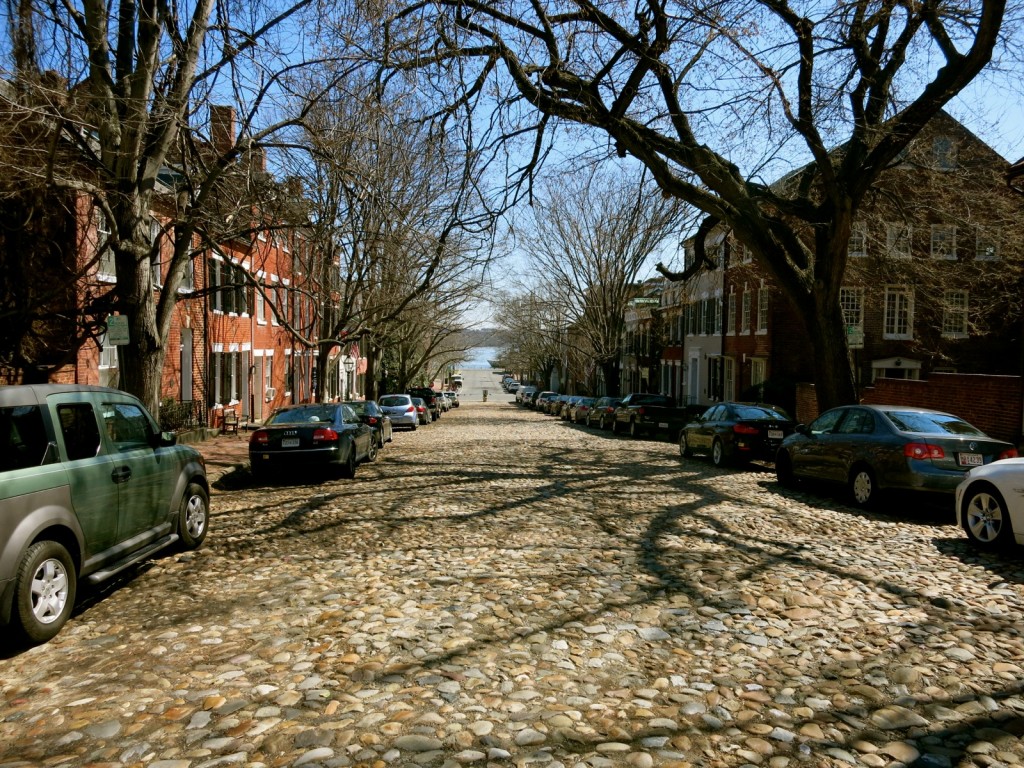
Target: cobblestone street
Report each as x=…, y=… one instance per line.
x=501, y=588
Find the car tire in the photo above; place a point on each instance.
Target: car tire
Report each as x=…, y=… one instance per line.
x=615, y=426
x=784, y=470
x=634, y=429
x=684, y=447
x=44, y=591
x=718, y=453
x=371, y=451
x=986, y=520
x=194, y=516
x=862, y=486
x=413, y=427
x=348, y=469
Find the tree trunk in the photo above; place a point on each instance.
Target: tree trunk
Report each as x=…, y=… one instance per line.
x=142, y=359
x=834, y=379
x=370, y=386
x=612, y=385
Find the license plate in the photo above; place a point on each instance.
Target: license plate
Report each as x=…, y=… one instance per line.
x=774, y=434
x=662, y=425
x=290, y=442
x=970, y=459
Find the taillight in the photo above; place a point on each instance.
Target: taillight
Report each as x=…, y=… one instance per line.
x=372, y=420
x=1009, y=453
x=411, y=409
x=260, y=437
x=325, y=435
x=640, y=411
x=923, y=451
x=745, y=429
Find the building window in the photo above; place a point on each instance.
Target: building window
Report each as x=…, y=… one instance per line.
x=214, y=284
x=897, y=240
x=745, y=312
x=730, y=315
x=154, y=246
x=898, y=320
x=226, y=367
x=106, y=268
x=261, y=305
x=858, y=247
x=944, y=153
x=954, y=315
x=729, y=378
x=748, y=255
x=758, y=371
x=718, y=315
x=943, y=241
x=690, y=325
x=762, y=310
x=108, y=363
x=987, y=244
x=851, y=300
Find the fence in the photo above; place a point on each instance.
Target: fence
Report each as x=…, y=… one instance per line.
x=176, y=415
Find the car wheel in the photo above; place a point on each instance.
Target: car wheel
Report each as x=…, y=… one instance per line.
x=615, y=426
x=986, y=518
x=194, y=517
x=784, y=470
x=718, y=453
x=684, y=447
x=348, y=469
x=371, y=451
x=634, y=430
x=44, y=591
x=863, y=487
x=413, y=428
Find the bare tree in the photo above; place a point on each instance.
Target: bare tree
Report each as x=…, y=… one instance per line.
x=595, y=232
x=713, y=99
x=129, y=107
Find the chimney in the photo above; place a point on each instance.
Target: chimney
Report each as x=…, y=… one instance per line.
x=222, y=127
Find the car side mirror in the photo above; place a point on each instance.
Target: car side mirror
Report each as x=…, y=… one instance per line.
x=163, y=439
x=802, y=429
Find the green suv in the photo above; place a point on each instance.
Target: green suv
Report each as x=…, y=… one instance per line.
x=88, y=486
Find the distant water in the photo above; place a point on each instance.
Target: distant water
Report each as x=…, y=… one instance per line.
x=480, y=357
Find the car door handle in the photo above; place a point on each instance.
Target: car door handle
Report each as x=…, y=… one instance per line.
x=121, y=474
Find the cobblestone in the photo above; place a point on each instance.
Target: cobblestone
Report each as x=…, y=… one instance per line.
x=501, y=588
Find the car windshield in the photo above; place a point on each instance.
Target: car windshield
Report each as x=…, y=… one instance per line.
x=361, y=407
x=932, y=423
x=393, y=400
x=305, y=415
x=759, y=412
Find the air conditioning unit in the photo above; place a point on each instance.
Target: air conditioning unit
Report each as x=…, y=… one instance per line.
x=270, y=394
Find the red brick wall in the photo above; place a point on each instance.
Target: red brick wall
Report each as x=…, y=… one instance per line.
x=994, y=404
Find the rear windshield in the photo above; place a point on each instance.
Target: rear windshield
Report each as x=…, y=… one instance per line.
x=306, y=415
x=22, y=437
x=932, y=423
x=653, y=400
x=759, y=412
x=390, y=401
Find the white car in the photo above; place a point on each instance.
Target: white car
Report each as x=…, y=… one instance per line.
x=400, y=409
x=990, y=503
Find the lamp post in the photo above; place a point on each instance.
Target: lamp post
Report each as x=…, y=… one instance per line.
x=350, y=366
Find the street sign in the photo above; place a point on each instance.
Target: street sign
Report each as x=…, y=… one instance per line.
x=117, y=330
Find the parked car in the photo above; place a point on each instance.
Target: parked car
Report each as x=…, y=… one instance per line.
x=524, y=392
x=736, y=433
x=89, y=486
x=454, y=398
x=873, y=448
x=373, y=416
x=443, y=401
x=429, y=397
x=580, y=410
x=423, y=413
x=400, y=410
x=553, y=407
x=990, y=503
x=565, y=412
x=324, y=435
x=603, y=412
x=645, y=413
x=540, y=402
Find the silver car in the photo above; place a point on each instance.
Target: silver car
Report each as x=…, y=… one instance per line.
x=400, y=409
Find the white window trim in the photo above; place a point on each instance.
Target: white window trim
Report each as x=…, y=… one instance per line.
x=859, y=230
x=937, y=238
x=892, y=232
x=947, y=312
x=762, y=311
x=984, y=235
x=909, y=294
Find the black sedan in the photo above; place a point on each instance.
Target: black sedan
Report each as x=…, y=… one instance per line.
x=371, y=414
x=736, y=433
x=872, y=448
x=302, y=436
